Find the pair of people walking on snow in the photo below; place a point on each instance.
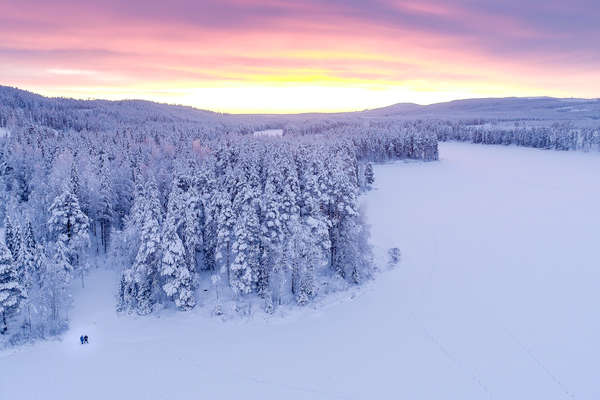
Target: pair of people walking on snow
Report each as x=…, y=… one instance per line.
x=83, y=339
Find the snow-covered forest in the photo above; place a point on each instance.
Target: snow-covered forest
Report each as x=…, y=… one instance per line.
x=180, y=201
x=557, y=136
x=177, y=199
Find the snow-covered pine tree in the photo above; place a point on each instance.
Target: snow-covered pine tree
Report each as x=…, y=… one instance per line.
x=315, y=245
x=41, y=262
x=342, y=212
x=224, y=221
x=272, y=234
x=12, y=291
x=12, y=237
x=28, y=271
x=354, y=252
x=186, y=205
x=174, y=269
x=205, y=184
x=105, y=206
x=74, y=180
x=245, y=247
x=125, y=248
x=306, y=257
x=139, y=289
x=290, y=215
x=26, y=258
x=35, y=309
x=127, y=291
x=67, y=219
x=193, y=228
x=62, y=259
x=136, y=214
x=81, y=191
x=290, y=211
x=69, y=226
x=28, y=236
x=369, y=174
x=4, y=193
x=54, y=285
x=177, y=279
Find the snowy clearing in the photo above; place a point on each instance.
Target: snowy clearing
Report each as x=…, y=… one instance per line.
x=269, y=133
x=496, y=297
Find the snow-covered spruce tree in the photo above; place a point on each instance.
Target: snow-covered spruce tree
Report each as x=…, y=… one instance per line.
x=193, y=228
x=61, y=257
x=54, y=286
x=4, y=196
x=69, y=227
x=36, y=310
x=369, y=174
x=304, y=257
x=140, y=284
x=26, y=258
x=127, y=291
x=174, y=269
x=272, y=234
x=12, y=292
x=177, y=278
x=125, y=246
x=12, y=237
x=28, y=271
x=205, y=185
x=245, y=247
x=186, y=207
x=105, y=206
x=311, y=243
x=224, y=222
x=74, y=179
x=345, y=227
x=280, y=219
x=290, y=215
x=80, y=189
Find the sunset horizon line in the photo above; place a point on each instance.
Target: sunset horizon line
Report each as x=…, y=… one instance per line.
x=291, y=112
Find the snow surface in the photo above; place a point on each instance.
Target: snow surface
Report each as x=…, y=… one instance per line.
x=496, y=297
x=269, y=133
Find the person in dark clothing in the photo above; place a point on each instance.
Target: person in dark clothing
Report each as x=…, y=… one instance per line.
x=81, y=338
x=85, y=339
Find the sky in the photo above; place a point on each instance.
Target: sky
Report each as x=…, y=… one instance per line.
x=302, y=55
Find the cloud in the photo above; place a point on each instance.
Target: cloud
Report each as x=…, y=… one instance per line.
x=538, y=47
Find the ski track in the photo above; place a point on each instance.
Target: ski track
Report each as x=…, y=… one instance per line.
x=541, y=365
x=495, y=297
x=435, y=341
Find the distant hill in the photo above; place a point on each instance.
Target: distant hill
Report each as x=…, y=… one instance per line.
x=58, y=112
x=99, y=113
x=508, y=107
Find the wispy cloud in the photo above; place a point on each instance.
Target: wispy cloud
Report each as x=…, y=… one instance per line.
x=422, y=50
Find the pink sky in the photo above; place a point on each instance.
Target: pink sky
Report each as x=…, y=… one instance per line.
x=281, y=56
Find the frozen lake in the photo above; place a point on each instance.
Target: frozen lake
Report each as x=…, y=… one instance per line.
x=496, y=297
x=500, y=274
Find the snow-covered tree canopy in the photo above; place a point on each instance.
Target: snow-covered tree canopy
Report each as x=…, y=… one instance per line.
x=178, y=201
x=181, y=200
